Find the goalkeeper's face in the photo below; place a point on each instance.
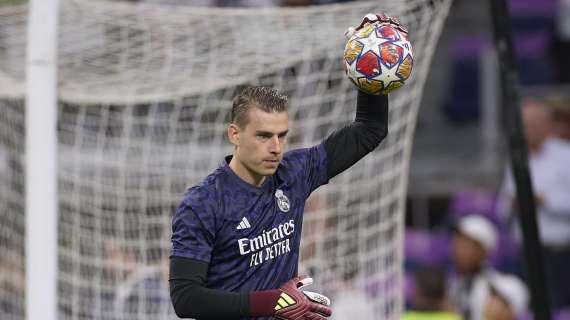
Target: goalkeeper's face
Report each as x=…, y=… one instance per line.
x=260, y=143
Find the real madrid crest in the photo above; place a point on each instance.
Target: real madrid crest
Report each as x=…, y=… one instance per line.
x=282, y=201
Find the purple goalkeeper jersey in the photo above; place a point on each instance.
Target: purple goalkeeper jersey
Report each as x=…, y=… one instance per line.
x=248, y=235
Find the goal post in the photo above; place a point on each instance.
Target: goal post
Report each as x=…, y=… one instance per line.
x=143, y=96
x=41, y=156
x=519, y=159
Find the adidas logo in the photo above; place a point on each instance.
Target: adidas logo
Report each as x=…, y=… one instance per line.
x=244, y=224
x=284, y=301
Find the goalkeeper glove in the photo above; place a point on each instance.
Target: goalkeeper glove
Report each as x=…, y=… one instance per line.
x=295, y=304
x=371, y=18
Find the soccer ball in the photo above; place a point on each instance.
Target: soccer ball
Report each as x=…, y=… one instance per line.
x=378, y=58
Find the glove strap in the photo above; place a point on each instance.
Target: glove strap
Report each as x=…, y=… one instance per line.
x=264, y=303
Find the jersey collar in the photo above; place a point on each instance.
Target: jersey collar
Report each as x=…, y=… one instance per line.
x=265, y=187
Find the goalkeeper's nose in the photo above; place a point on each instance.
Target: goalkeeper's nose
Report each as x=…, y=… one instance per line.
x=275, y=145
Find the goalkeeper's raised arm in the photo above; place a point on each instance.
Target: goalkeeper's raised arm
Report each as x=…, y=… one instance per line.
x=346, y=146
x=236, y=235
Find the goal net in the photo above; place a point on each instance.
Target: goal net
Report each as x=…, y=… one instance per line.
x=144, y=92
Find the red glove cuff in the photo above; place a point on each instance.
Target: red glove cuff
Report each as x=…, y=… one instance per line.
x=262, y=303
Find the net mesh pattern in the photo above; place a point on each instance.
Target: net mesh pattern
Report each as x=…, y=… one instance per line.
x=144, y=94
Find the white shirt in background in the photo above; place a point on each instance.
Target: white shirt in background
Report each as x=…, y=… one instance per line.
x=550, y=174
x=469, y=296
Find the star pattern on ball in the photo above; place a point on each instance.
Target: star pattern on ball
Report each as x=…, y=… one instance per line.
x=371, y=43
x=389, y=74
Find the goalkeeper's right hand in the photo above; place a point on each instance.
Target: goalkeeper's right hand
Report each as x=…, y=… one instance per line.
x=372, y=18
x=294, y=304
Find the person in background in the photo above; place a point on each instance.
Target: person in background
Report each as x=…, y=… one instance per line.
x=548, y=161
x=474, y=240
x=507, y=300
x=559, y=107
x=429, y=300
x=561, y=41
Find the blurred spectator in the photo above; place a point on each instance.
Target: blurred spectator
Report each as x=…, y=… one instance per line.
x=474, y=240
x=119, y=263
x=145, y=294
x=429, y=301
x=549, y=158
x=351, y=297
x=561, y=45
x=118, y=260
x=12, y=285
x=351, y=302
x=560, y=115
x=507, y=300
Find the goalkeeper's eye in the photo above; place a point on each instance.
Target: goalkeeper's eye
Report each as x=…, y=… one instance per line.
x=263, y=136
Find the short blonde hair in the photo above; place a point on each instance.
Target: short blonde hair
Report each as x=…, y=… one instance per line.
x=265, y=98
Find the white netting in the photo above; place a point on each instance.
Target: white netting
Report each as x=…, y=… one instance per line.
x=144, y=93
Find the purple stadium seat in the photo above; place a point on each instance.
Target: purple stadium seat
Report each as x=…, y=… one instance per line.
x=424, y=247
x=470, y=46
x=473, y=202
x=532, y=45
x=533, y=7
x=526, y=316
x=532, y=25
x=416, y=245
x=562, y=314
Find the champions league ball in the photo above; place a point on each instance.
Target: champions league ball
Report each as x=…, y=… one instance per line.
x=378, y=58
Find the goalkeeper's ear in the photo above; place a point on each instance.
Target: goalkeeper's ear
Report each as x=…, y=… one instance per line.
x=233, y=133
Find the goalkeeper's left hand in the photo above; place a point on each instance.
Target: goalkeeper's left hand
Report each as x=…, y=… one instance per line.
x=372, y=18
x=295, y=304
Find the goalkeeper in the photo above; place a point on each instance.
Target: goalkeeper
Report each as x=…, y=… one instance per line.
x=236, y=235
